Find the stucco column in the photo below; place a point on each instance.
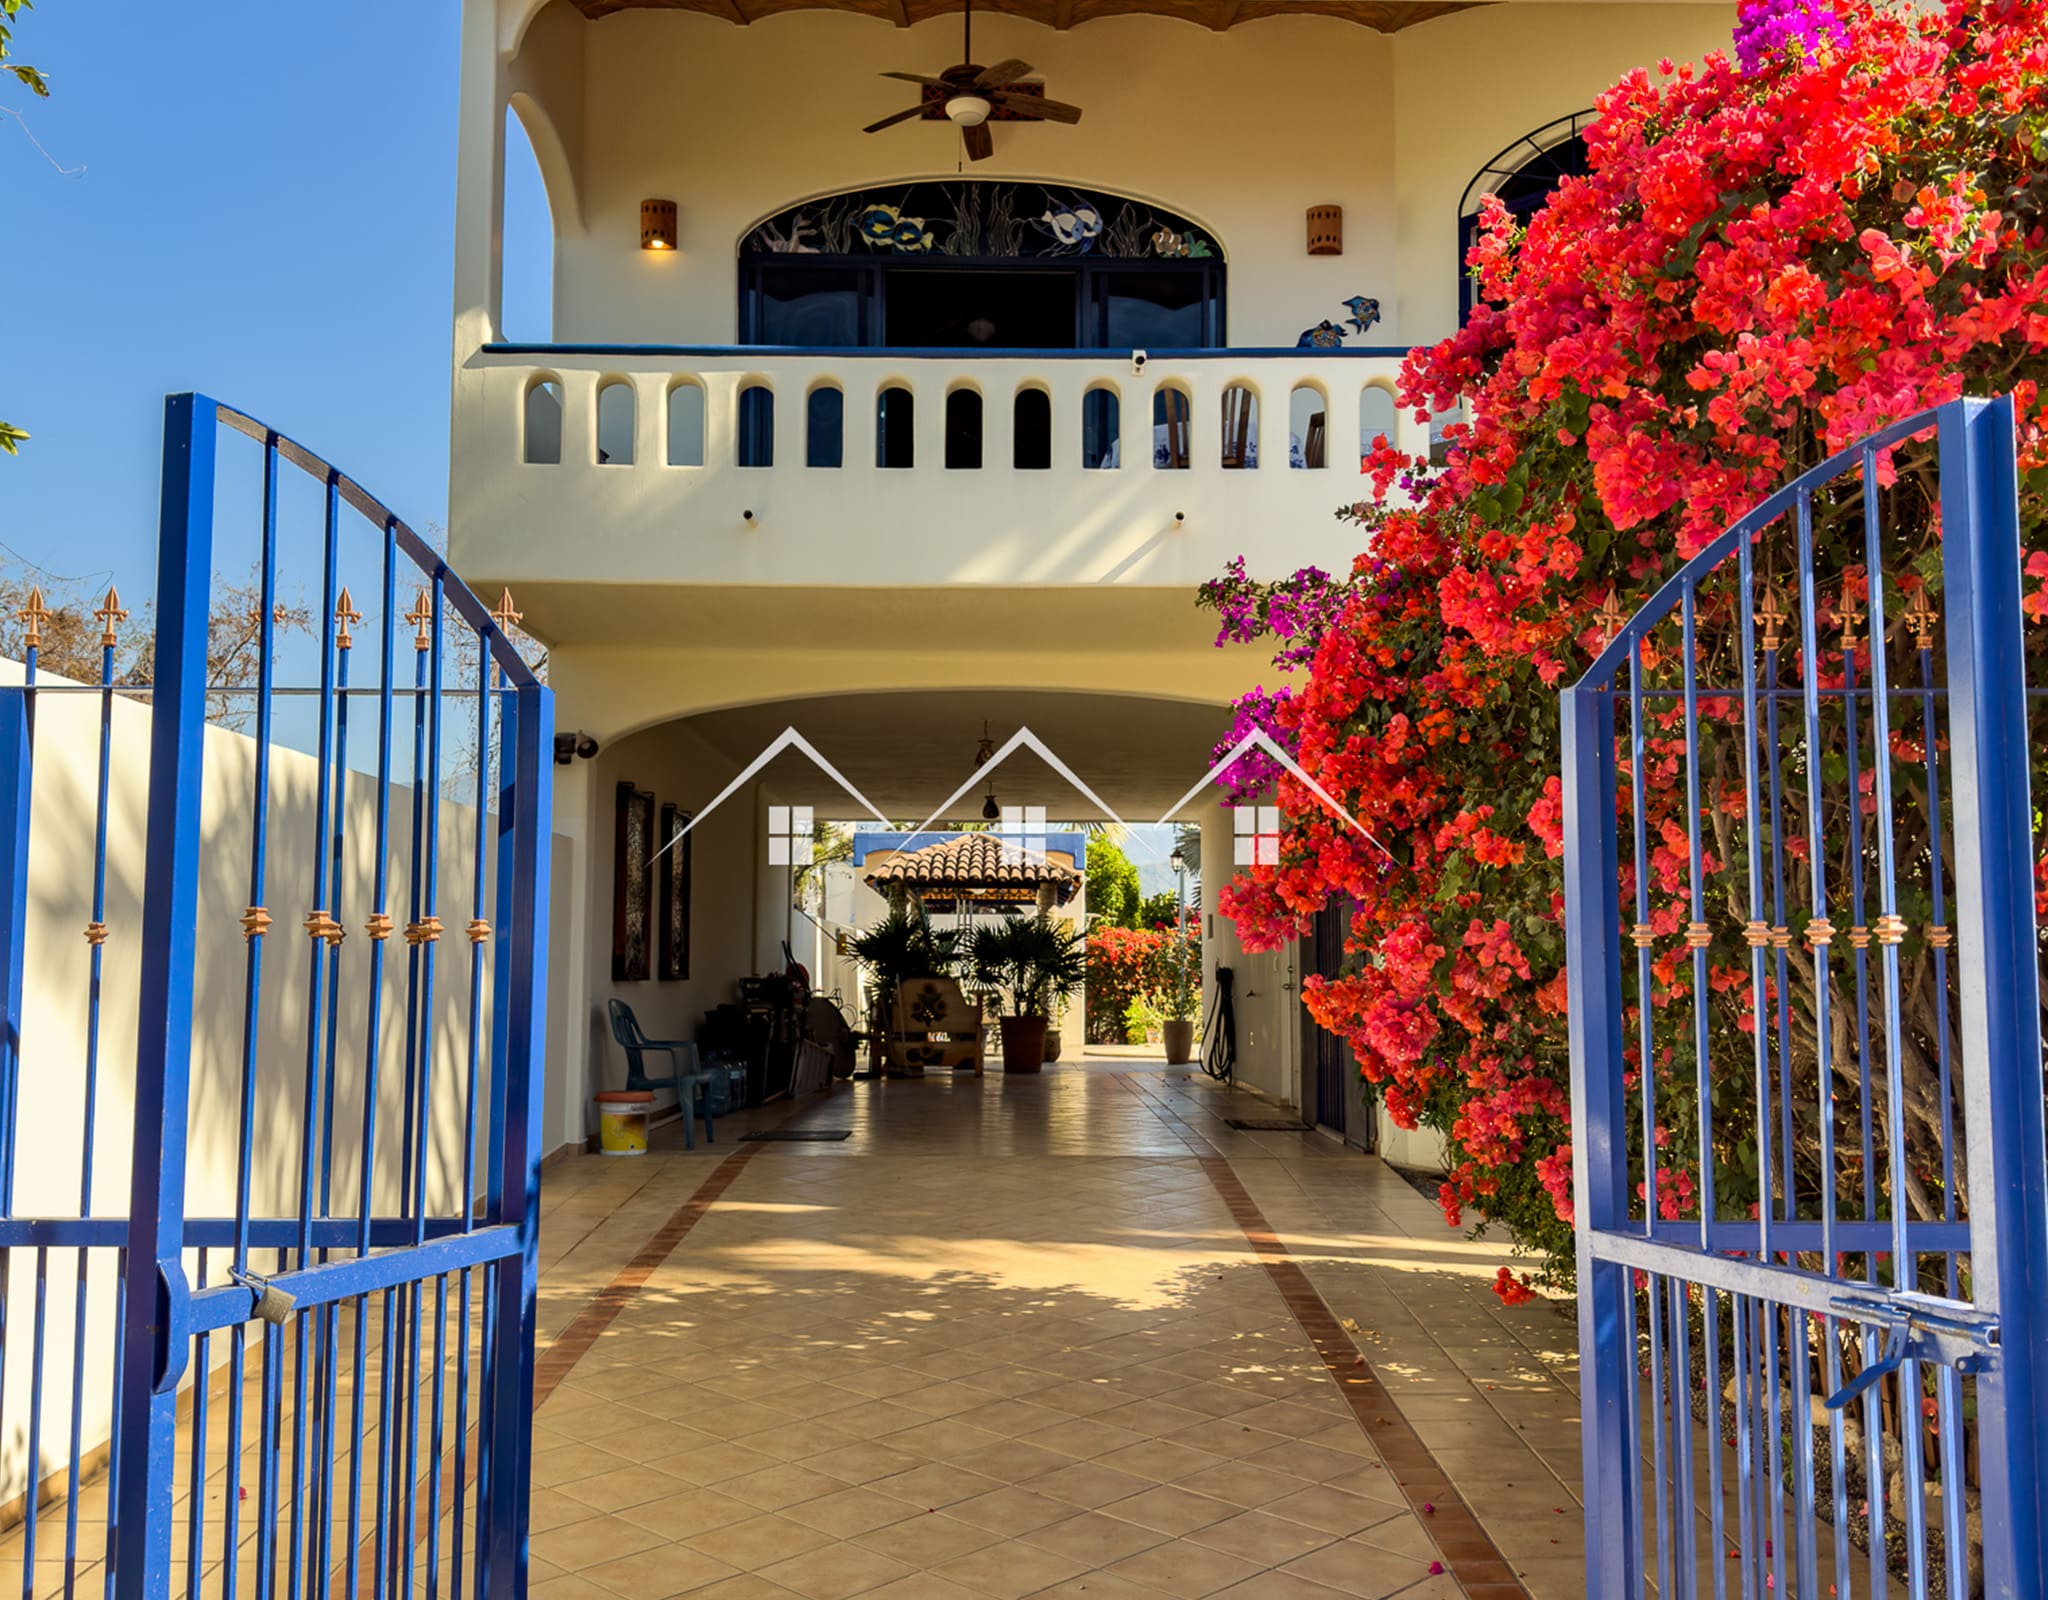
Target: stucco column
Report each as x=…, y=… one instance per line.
x=479, y=181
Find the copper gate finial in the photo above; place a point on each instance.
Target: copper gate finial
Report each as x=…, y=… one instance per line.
x=1610, y=616
x=1771, y=615
x=110, y=614
x=421, y=616
x=1921, y=618
x=503, y=614
x=347, y=616
x=35, y=614
x=1850, y=618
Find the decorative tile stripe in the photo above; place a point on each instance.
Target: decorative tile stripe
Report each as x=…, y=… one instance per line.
x=1469, y=1554
x=589, y=1325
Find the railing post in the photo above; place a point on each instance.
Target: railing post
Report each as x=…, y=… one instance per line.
x=1599, y=1140
x=525, y=834
x=1998, y=973
x=153, y=1341
x=17, y=791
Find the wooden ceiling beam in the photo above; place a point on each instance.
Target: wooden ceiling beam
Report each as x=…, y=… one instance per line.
x=1063, y=15
x=1226, y=15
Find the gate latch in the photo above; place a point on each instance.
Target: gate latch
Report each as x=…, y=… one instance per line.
x=1918, y=1327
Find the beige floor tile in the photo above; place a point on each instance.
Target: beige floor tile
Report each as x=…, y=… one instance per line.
x=851, y=1512
x=658, y=1573
x=1010, y=1570
x=1094, y=1537
x=836, y=1572
x=1184, y=1570
x=924, y=1540
x=1012, y=1511
x=1260, y=1536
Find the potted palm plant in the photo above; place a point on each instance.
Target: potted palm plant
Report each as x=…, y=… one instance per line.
x=901, y=947
x=1034, y=963
x=1178, y=1000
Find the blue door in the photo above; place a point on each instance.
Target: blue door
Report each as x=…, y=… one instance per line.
x=288, y=1314
x=1810, y=1182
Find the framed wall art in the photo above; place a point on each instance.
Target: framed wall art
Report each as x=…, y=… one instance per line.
x=632, y=909
x=673, y=898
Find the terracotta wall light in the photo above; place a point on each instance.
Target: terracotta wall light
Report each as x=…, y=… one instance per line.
x=1326, y=230
x=657, y=225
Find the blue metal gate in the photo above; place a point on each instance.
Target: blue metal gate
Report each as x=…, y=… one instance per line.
x=1810, y=1181
x=296, y=1354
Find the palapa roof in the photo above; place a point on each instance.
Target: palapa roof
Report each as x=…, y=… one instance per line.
x=1384, y=16
x=974, y=861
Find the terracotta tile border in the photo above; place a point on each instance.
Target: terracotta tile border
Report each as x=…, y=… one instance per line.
x=1470, y=1555
x=589, y=1325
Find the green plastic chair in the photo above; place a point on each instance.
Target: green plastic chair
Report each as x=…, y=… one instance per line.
x=689, y=1079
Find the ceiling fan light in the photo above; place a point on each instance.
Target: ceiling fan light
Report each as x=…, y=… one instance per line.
x=969, y=110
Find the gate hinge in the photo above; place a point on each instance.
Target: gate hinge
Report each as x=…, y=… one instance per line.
x=1918, y=1327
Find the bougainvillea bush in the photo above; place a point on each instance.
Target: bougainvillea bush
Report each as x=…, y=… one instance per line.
x=1838, y=224
x=1131, y=964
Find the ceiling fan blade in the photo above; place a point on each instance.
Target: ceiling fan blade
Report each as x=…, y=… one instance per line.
x=1033, y=108
x=981, y=144
x=890, y=122
x=1001, y=73
x=918, y=77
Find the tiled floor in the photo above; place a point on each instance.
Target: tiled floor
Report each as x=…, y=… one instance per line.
x=1008, y=1340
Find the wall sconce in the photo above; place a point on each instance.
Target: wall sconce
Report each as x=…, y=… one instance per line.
x=657, y=224
x=1326, y=230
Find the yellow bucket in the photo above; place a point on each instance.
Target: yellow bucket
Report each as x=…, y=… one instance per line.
x=622, y=1121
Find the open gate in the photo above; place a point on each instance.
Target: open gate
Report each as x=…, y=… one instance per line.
x=1810, y=1184
x=286, y=1348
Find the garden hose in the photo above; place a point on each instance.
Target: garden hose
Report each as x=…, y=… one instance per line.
x=1219, y=1031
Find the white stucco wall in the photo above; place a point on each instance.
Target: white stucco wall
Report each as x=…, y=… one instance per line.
x=56, y=983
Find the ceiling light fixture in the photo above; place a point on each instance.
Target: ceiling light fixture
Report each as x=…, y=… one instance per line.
x=969, y=110
x=990, y=811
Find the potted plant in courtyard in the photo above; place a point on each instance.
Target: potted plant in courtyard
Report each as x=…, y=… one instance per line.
x=1179, y=999
x=901, y=947
x=1034, y=962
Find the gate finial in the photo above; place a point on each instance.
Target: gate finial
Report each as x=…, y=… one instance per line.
x=1771, y=616
x=1610, y=616
x=35, y=614
x=502, y=613
x=1850, y=618
x=1921, y=618
x=421, y=616
x=346, y=614
x=110, y=614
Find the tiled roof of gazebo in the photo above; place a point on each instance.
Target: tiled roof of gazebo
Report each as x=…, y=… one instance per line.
x=974, y=861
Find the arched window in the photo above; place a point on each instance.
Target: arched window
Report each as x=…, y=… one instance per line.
x=757, y=426
x=1172, y=418
x=1240, y=427
x=543, y=445
x=1377, y=417
x=1523, y=175
x=895, y=417
x=686, y=424
x=963, y=430
x=1308, y=413
x=615, y=424
x=1031, y=430
x=825, y=426
x=1101, y=428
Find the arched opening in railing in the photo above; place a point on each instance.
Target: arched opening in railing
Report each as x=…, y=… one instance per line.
x=615, y=423
x=1308, y=425
x=1173, y=413
x=895, y=419
x=963, y=430
x=542, y=444
x=1101, y=427
x=686, y=423
x=1240, y=426
x=757, y=426
x=825, y=426
x=526, y=260
x=1031, y=430
x=1377, y=417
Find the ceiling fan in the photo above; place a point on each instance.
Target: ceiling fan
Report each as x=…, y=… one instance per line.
x=972, y=96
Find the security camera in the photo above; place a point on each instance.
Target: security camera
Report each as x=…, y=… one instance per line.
x=1138, y=360
x=586, y=747
x=568, y=746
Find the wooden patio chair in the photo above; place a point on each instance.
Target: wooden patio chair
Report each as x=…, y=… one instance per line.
x=1239, y=408
x=935, y=1025
x=1173, y=429
x=1317, y=442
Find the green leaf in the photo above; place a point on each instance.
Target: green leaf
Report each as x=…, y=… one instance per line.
x=33, y=79
x=11, y=438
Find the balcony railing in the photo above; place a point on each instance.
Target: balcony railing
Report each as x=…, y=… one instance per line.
x=752, y=465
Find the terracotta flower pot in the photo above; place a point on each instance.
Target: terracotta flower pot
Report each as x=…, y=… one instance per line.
x=1180, y=1040
x=1023, y=1043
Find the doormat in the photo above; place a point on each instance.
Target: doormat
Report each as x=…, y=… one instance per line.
x=1266, y=1125
x=797, y=1136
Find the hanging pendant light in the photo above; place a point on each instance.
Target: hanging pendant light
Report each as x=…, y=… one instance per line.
x=990, y=811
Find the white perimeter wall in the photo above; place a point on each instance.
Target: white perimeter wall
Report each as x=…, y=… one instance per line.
x=54, y=1025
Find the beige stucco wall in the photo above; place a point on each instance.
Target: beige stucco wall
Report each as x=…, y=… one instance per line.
x=56, y=981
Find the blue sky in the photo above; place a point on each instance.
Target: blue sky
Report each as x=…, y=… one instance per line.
x=265, y=213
